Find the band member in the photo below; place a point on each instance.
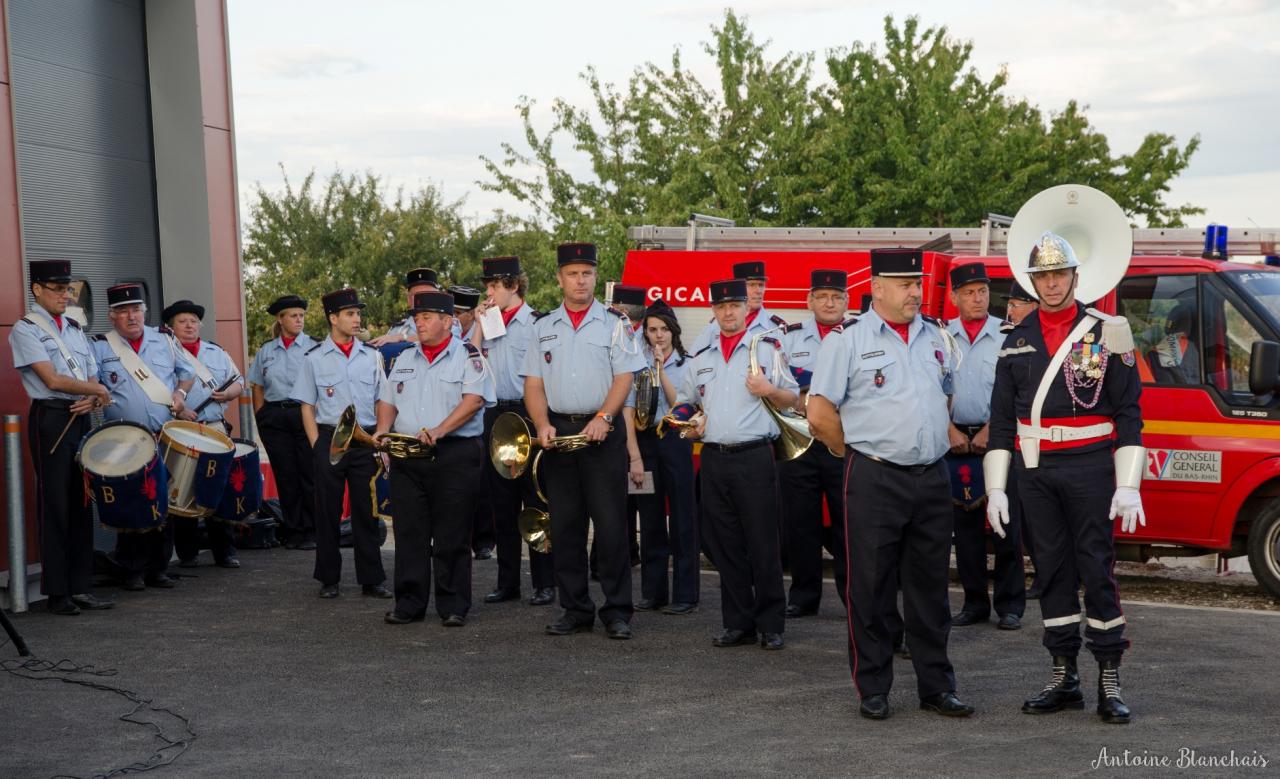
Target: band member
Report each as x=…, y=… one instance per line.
x=816, y=473
x=483, y=540
x=668, y=529
x=1018, y=304
x=739, y=479
x=435, y=394
x=279, y=417
x=1067, y=388
x=336, y=373
x=630, y=300
x=977, y=333
x=60, y=375
x=166, y=376
x=880, y=389
x=415, y=281
x=578, y=371
x=758, y=317
x=505, y=287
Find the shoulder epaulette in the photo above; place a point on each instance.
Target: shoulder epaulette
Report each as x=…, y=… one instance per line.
x=1116, y=335
x=100, y=337
x=777, y=320
x=932, y=320
x=539, y=314
x=73, y=323
x=772, y=341
x=312, y=349
x=164, y=330
x=791, y=328
x=703, y=349
x=471, y=349
x=1007, y=326
x=853, y=320
x=28, y=321
x=617, y=312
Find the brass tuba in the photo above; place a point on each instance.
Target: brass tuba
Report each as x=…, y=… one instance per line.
x=648, y=383
x=794, y=438
x=348, y=435
x=534, y=523
x=511, y=444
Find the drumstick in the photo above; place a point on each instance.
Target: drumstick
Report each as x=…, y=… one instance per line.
x=209, y=399
x=68, y=427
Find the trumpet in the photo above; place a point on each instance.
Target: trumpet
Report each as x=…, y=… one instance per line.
x=511, y=444
x=348, y=435
x=683, y=425
x=794, y=438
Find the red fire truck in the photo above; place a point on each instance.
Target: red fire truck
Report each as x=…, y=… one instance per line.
x=1207, y=336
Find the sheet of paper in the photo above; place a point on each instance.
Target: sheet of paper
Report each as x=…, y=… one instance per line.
x=645, y=488
x=491, y=323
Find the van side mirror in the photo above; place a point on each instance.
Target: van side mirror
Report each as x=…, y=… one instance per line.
x=1264, y=367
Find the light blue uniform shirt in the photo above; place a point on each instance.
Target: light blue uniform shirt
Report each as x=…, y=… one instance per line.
x=221, y=368
x=506, y=354
x=330, y=381
x=30, y=344
x=976, y=375
x=425, y=393
x=801, y=347
x=734, y=415
x=892, y=397
x=275, y=368
x=710, y=334
x=675, y=368
x=577, y=367
x=159, y=352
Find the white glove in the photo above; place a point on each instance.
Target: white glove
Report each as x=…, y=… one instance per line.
x=997, y=511
x=1127, y=504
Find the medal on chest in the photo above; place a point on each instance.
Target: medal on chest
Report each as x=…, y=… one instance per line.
x=1084, y=369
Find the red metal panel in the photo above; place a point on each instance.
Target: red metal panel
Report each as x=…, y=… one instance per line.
x=223, y=230
x=14, y=401
x=12, y=297
x=215, y=92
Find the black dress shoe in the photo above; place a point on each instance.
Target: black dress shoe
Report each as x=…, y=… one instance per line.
x=1033, y=592
x=498, y=596
x=396, y=618
x=543, y=596
x=566, y=626
x=133, y=583
x=89, y=602
x=771, y=641
x=376, y=591
x=229, y=562
x=62, y=606
x=966, y=617
x=649, y=604
x=1062, y=692
x=1009, y=622
x=734, y=638
x=329, y=591
x=875, y=706
x=194, y=562
x=680, y=608
x=309, y=545
x=454, y=621
x=946, y=704
x=484, y=553
x=161, y=581
x=618, y=629
x=794, y=612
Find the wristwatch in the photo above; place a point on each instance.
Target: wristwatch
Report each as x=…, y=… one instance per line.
x=608, y=418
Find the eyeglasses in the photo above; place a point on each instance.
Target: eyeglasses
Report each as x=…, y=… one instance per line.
x=830, y=300
x=57, y=289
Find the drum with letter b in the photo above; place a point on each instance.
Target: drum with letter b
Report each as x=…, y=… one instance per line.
x=198, y=459
x=124, y=475
x=243, y=495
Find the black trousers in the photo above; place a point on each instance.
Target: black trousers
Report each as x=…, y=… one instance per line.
x=292, y=465
x=63, y=519
x=508, y=497
x=804, y=482
x=433, y=502
x=147, y=552
x=740, y=524
x=355, y=471
x=1067, y=501
x=186, y=538
x=482, y=531
x=1019, y=517
x=1010, y=591
x=668, y=521
x=589, y=486
x=898, y=524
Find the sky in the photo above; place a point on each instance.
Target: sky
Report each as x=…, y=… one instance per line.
x=416, y=92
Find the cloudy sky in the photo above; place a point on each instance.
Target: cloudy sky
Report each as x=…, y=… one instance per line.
x=417, y=90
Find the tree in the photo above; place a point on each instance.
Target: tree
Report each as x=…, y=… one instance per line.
x=910, y=136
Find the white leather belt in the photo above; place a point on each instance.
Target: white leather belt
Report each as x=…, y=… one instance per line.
x=1060, y=433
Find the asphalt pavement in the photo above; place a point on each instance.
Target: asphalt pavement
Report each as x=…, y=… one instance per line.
x=276, y=682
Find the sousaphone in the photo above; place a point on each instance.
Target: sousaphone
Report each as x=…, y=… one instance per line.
x=1094, y=225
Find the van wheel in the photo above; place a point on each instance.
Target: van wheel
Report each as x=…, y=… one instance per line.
x=1264, y=548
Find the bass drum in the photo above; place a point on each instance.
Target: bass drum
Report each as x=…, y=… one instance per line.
x=243, y=494
x=125, y=476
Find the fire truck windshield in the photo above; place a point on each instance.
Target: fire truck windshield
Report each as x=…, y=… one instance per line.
x=1263, y=287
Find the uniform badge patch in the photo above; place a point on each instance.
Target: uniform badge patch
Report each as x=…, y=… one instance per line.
x=547, y=356
x=702, y=390
x=1128, y=359
x=1021, y=342
x=114, y=377
x=477, y=365
x=328, y=391
x=400, y=388
x=879, y=378
x=937, y=354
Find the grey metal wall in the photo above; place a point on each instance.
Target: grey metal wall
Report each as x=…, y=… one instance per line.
x=82, y=120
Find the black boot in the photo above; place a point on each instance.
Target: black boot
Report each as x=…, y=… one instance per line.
x=1062, y=693
x=1111, y=707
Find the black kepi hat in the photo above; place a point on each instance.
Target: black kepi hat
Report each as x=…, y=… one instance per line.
x=570, y=253
x=628, y=295
x=1018, y=293
x=897, y=262
x=53, y=271
x=497, y=267
x=421, y=276
x=439, y=302
x=826, y=278
x=182, y=307
x=124, y=295
x=728, y=291
x=749, y=271
x=969, y=273
x=465, y=298
x=285, y=302
x=344, y=298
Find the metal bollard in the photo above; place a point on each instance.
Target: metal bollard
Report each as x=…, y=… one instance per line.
x=247, y=431
x=17, y=528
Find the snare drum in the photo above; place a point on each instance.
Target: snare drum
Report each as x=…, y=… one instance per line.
x=124, y=475
x=243, y=494
x=198, y=459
